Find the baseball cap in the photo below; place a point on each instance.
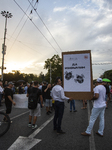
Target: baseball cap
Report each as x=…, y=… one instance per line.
x=10, y=83
x=99, y=80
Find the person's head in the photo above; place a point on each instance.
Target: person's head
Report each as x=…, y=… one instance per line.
x=0, y=83
x=6, y=82
x=31, y=83
x=58, y=81
x=36, y=83
x=99, y=81
x=10, y=84
x=28, y=85
x=104, y=83
x=93, y=85
x=44, y=83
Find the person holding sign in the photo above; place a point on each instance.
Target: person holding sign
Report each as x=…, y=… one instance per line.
x=58, y=95
x=99, y=106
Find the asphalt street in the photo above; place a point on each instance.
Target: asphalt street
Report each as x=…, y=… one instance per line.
x=73, y=124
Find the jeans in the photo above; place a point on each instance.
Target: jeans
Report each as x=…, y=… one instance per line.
x=72, y=103
x=95, y=113
x=59, y=110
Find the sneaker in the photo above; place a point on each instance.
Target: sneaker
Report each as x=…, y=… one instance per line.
x=34, y=126
x=11, y=121
x=61, y=132
x=29, y=125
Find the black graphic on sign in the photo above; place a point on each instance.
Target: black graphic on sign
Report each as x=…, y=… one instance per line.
x=68, y=75
x=79, y=78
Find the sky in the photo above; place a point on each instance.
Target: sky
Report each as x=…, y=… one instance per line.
x=56, y=26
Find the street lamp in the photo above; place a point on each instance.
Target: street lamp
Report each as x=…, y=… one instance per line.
x=6, y=15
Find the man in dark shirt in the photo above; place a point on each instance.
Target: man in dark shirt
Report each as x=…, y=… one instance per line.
x=48, y=99
x=9, y=98
x=35, y=112
x=43, y=88
x=21, y=91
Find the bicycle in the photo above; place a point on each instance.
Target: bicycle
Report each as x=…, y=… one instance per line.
x=4, y=123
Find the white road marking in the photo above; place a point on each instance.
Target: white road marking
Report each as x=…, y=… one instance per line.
x=19, y=115
x=26, y=143
x=91, y=138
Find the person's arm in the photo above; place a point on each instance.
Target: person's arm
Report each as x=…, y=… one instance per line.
x=27, y=95
x=96, y=96
x=46, y=88
x=63, y=97
x=10, y=98
x=41, y=99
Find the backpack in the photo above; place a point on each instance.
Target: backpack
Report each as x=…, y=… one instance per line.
x=33, y=99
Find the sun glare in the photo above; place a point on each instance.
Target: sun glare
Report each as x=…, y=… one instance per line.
x=10, y=66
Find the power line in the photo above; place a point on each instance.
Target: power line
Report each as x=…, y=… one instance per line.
x=19, y=22
x=45, y=25
x=18, y=35
x=20, y=29
x=35, y=26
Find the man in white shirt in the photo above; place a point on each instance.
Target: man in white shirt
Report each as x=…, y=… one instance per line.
x=99, y=106
x=58, y=95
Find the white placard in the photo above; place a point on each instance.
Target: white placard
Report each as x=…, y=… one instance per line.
x=77, y=74
x=21, y=100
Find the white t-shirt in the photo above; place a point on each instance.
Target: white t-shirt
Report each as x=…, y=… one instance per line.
x=57, y=94
x=100, y=102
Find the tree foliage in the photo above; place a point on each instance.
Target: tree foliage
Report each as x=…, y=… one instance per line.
x=107, y=74
x=22, y=76
x=55, y=64
x=56, y=70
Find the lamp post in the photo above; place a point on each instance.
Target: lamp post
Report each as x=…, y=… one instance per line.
x=50, y=73
x=6, y=15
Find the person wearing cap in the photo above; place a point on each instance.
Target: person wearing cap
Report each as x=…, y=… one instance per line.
x=9, y=98
x=98, y=109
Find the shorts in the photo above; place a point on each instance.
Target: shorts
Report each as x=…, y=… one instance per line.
x=48, y=102
x=8, y=107
x=36, y=112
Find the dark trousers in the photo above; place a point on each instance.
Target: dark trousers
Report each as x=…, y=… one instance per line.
x=1, y=98
x=59, y=110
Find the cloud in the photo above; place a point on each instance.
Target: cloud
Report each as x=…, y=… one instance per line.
x=75, y=25
x=59, y=9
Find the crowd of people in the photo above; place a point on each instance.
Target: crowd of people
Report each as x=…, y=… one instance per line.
x=53, y=97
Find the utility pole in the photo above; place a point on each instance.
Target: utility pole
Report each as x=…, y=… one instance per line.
x=6, y=15
x=50, y=73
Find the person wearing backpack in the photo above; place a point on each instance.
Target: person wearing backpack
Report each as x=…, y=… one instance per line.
x=34, y=94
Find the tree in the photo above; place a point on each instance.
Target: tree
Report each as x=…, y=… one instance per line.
x=56, y=68
x=108, y=74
